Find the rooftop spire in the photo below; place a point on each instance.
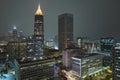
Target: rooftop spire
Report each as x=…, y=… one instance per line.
x=39, y=11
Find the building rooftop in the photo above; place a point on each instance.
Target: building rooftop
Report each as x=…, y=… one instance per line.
x=30, y=60
x=85, y=55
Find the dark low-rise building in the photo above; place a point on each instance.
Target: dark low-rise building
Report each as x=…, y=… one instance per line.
x=34, y=70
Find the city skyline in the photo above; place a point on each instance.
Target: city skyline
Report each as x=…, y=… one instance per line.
x=92, y=19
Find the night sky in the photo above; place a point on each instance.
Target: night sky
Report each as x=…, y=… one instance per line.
x=92, y=18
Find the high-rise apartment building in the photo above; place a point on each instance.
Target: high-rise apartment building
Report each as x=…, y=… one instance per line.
x=65, y=30
x=38, y=32
x=116, y=62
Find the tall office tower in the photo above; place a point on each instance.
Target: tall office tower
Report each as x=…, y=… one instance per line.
x=38, y=32
x=65, y=30
x=116, y=62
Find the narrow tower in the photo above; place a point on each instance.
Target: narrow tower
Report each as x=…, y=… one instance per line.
x=38, y=32
x=15, y=33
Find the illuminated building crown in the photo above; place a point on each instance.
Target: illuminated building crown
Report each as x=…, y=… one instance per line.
x=39, y=11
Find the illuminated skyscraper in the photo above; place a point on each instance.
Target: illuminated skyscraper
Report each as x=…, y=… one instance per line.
x=38, y=32
x=38, y=25
x=65, y=30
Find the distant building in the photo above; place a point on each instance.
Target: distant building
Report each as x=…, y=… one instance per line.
x=21, y=36
x=3, y=52
x=87, y=44
x=38, y=32
x=16, y=49
x=116, y=61
x=2, y=37
x=34, y=70
x=50, y=43
x=79, y=42
x=56, y=42
x=15, y=33
x=106, y=44
x=65, y=30
x=10, y=35
x=86, y=65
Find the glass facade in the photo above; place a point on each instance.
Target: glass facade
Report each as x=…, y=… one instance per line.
x=65, y=30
